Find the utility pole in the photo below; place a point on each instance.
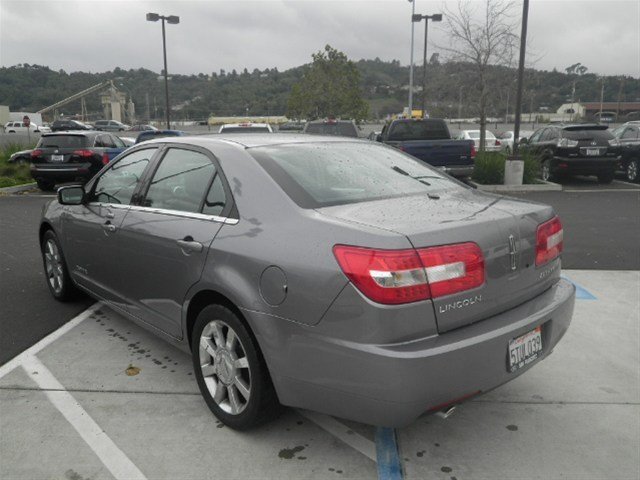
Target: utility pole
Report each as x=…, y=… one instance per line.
x=601, y=99
x=413, y=11
x=523, y=46
x=417, y=18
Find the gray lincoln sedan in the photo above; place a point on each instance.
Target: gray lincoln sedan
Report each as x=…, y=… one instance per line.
x=326, y=273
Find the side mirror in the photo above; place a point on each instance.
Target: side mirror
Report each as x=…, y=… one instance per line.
x=71, y=195
x=524, y=141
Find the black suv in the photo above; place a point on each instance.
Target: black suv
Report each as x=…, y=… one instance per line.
x=628, y=136
x=63, y=125
x=587, y=149
x=72, y=156
x=344, y=128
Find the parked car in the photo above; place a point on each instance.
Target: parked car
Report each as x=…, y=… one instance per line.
x=429, y=140
x=323, y=273
x=491, y=143
x=72, y=156
x=628, y=140
x=506, y=139
x=245, y=127
x=65, y=125
x=44, y=128
x=110, y=126
x=151, y=134
x=342, y=128
x=20, y=127
x=23, y=156
x=583, y=149
x=142, y=128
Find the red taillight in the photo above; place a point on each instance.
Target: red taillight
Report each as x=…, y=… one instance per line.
x=498, y=143
x=36, y=153
x=83, y=153
x=473, y=151
x=453, y=268
x=548, y=241
x=105, y=158
x=401, y=148
x=385, y=276
x=405, y=276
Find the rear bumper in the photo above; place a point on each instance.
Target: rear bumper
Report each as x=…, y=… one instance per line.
x=62, y=173
x=392, y=385
x=584, y=166
x=458, y=170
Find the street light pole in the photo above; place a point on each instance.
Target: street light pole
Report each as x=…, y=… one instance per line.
x=523, y=46
x=173, y=19
x=434, y=18
x=413, y=12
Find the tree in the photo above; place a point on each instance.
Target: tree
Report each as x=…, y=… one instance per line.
x=330, y=87
x=483, y=41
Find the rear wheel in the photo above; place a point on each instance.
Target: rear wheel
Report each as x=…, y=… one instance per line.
x=606, y=178
x=55, y=268
x=631, y=172
x=231, y=373
x=545, y=170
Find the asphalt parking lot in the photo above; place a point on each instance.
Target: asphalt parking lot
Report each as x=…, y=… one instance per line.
x=101, y=398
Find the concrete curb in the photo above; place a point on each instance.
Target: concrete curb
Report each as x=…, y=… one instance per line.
x=18, y=188
x=539, y=187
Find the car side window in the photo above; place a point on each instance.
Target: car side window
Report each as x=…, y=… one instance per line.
x=180, y=182
x=117, y=184
x=630, y=134
x=552, y=134
x=108, y=142
x=118, y=143
x=216, y=199
x=98, y=142
x=536, y=136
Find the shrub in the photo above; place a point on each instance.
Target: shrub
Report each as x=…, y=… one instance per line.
x=489, y=168
x=10, y=173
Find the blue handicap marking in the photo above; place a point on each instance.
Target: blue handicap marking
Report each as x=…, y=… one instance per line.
x=581, y=292
x=389, y=467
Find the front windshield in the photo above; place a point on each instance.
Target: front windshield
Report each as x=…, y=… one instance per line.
x=318, y=175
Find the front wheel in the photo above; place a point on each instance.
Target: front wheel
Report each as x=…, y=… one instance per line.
x=231, y=373
x=545, y=170
x=55, y=268
x=631, y=172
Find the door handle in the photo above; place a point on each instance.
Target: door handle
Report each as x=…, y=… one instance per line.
x=109, y=227
x=189, y=245
x=110, y=215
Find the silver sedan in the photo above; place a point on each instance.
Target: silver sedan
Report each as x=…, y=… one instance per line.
x=325, y=273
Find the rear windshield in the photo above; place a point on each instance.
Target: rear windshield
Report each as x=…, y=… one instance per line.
x=244, y=130
x=587, y=134
x=63, y=141
x=318, y=175
x=344, y=129
x=418, y=130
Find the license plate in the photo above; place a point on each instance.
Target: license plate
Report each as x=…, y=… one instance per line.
x=593, y=152
x=525, y=349
x=57, y=158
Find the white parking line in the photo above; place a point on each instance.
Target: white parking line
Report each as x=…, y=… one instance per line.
x=120, y=466
x=52, y=337
x=635, y=190
x=626, y=183
x=339, y=430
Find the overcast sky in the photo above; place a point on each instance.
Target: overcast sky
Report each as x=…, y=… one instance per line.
x=99, y=35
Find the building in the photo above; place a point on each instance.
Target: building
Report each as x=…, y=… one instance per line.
x=611, y=112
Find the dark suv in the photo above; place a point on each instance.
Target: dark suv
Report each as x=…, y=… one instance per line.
x=72, y=156
x=587, y=149
x=64, y=125
x=344, y=128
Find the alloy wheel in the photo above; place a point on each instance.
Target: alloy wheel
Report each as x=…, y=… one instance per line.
x=54, y=267
x=632, y=171
x=225, y=367
x=545, y=174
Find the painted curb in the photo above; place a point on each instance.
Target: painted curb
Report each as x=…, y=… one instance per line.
x=544, y=187
x=18, y=188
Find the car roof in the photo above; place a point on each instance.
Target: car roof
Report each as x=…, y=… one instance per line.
x=73, y=132
x=245, y=124
x=257, y=139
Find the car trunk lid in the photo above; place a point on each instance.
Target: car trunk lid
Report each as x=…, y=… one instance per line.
x=504, y=229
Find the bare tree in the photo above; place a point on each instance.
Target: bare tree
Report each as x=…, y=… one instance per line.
x=482, y=37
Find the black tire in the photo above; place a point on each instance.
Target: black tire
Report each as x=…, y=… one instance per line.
x=60, y=284
x=606, y=178
x=45, y=185
x=262, y=404
x=631, y=172
x=545, y=171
